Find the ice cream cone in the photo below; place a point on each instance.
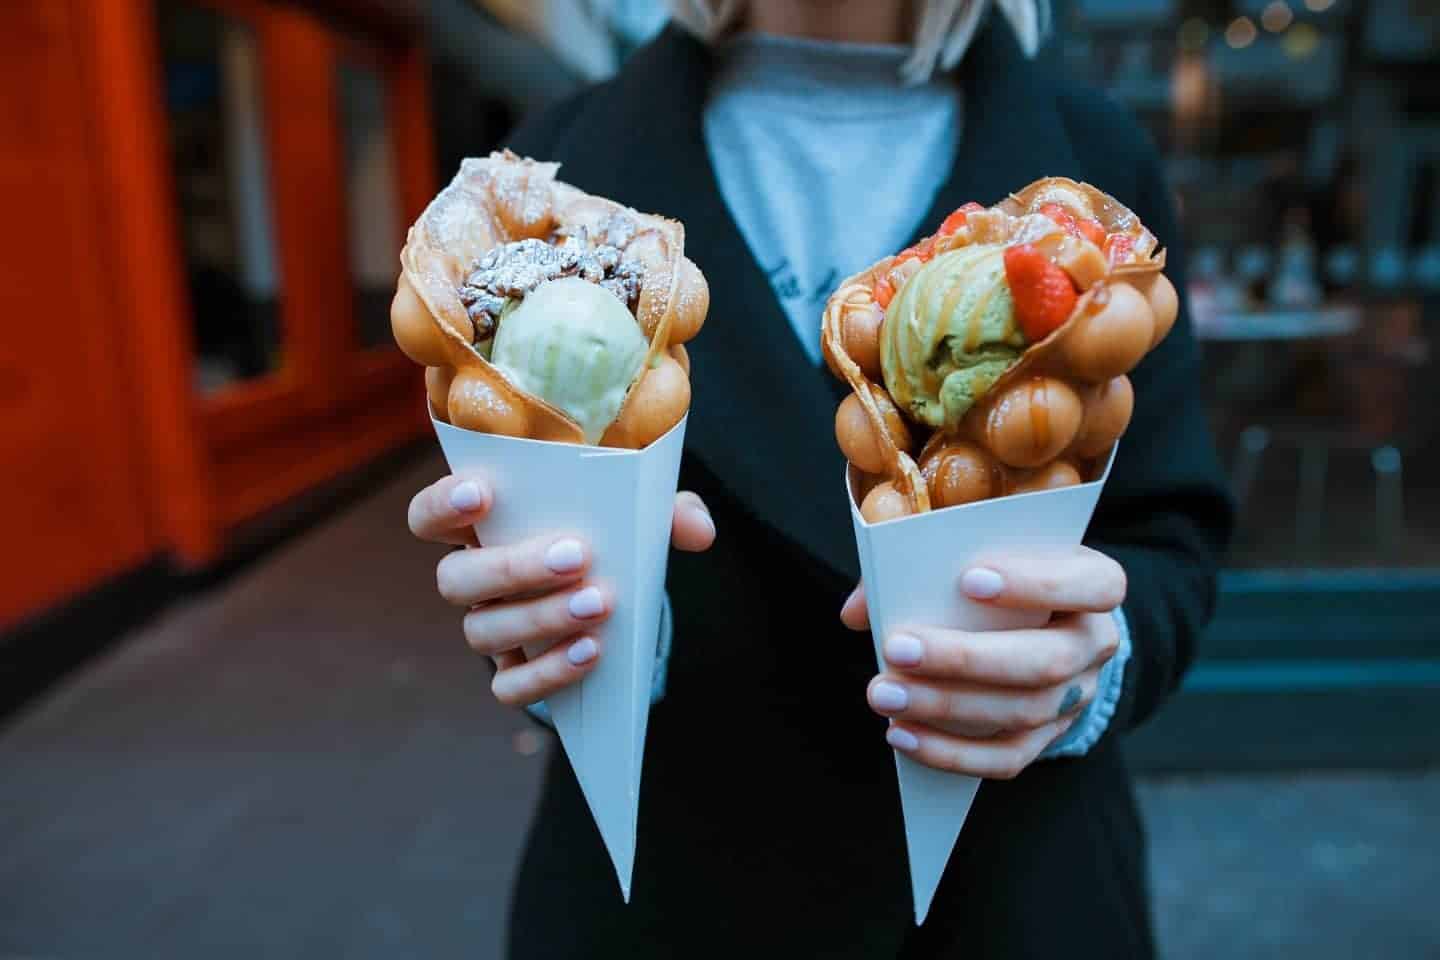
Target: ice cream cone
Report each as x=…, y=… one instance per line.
x=622, y=502
x=911, y=568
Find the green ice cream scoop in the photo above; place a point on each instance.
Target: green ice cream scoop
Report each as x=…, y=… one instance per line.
x=574, y=345
x=949, y=334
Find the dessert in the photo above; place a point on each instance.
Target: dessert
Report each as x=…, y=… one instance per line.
x=990, y=359
x=543, y=312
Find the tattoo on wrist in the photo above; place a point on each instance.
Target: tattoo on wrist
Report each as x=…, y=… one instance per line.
x=1072, y=696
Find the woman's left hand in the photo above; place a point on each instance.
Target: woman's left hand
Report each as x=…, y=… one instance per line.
x=987, y=703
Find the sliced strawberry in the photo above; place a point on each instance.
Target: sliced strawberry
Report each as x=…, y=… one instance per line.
x=1060, y=215
x=1119, y=247
x=956, y=220
x=1076, y=227
x=1044, y=295
x=1092, y=231
x=921, y=251
x=883, y=292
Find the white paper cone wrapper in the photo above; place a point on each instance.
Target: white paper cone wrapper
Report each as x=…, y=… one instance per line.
x=622, y=502
x=912, y=568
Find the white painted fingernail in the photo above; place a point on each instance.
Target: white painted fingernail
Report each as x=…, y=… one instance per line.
x=889, y=697
x=902, y=740
x=582, y=651
x=587, y=603
x=466, y=497
x=904, y=650
x=565, y=556
x=982, y=583
x=709, y=521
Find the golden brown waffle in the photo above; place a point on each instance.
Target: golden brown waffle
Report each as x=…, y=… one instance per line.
x=504, y=198
x=1048, y=421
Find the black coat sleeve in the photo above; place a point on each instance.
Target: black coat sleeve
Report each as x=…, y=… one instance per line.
x=1166, y=514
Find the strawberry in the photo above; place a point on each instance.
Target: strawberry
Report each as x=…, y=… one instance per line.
x=921, y=251
x=1087, y=228
x=1092, y=231
x=956, y=220
x=883, y=292
x=1119, y=247
x=1044, y=295
x=1060, y=215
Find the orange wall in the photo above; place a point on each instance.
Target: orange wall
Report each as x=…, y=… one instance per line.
x=107, y=455
x=71, y=503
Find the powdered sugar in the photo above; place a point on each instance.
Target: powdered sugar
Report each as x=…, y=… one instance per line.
x=511, y=271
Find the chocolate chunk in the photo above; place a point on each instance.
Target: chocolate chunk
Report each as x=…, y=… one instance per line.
x=511, y=271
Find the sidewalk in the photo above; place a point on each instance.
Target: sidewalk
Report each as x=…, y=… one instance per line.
x=306, y=763
x=1321, y=867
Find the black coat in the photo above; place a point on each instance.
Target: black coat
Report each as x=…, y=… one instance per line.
x=770, y=820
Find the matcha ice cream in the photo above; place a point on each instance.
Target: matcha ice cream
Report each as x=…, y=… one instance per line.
x=575, y=345
x=949, y=334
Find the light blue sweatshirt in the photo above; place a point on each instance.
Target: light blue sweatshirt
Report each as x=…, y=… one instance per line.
x=801, y=134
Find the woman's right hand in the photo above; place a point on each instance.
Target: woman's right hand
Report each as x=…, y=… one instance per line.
x=531, y=593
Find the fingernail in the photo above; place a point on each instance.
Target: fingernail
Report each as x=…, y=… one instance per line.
x=902, y=740
x=982, y=583
x=467, y=497
x=565, y=556
x=890, y=697
x=587, y=603
x=697, y=506
x=582, y=651
x=903, y=650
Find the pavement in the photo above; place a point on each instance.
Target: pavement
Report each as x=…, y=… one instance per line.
x=305, y=762
x=1332, y=866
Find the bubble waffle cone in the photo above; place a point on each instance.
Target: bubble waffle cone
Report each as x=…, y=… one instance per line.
x=987, y=368
x=551, y=323
x=498, y=201
x=1048, y=408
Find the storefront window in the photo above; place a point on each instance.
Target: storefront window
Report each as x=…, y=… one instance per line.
x=371, y=185
x=1303, y=142
x=213, y=101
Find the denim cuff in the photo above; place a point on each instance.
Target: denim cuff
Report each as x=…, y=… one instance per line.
x=1086, y=731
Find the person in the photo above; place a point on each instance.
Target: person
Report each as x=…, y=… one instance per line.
x=798, y=141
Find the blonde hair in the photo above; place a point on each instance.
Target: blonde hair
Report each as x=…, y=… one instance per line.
x=943, y=29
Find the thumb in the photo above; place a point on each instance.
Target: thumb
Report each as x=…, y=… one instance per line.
x=692, y=530
x=855, y=614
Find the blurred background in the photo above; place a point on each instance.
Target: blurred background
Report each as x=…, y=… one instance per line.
x=236, y=720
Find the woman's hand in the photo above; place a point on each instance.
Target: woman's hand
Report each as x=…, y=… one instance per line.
x=533, y=592
x=987, y=703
